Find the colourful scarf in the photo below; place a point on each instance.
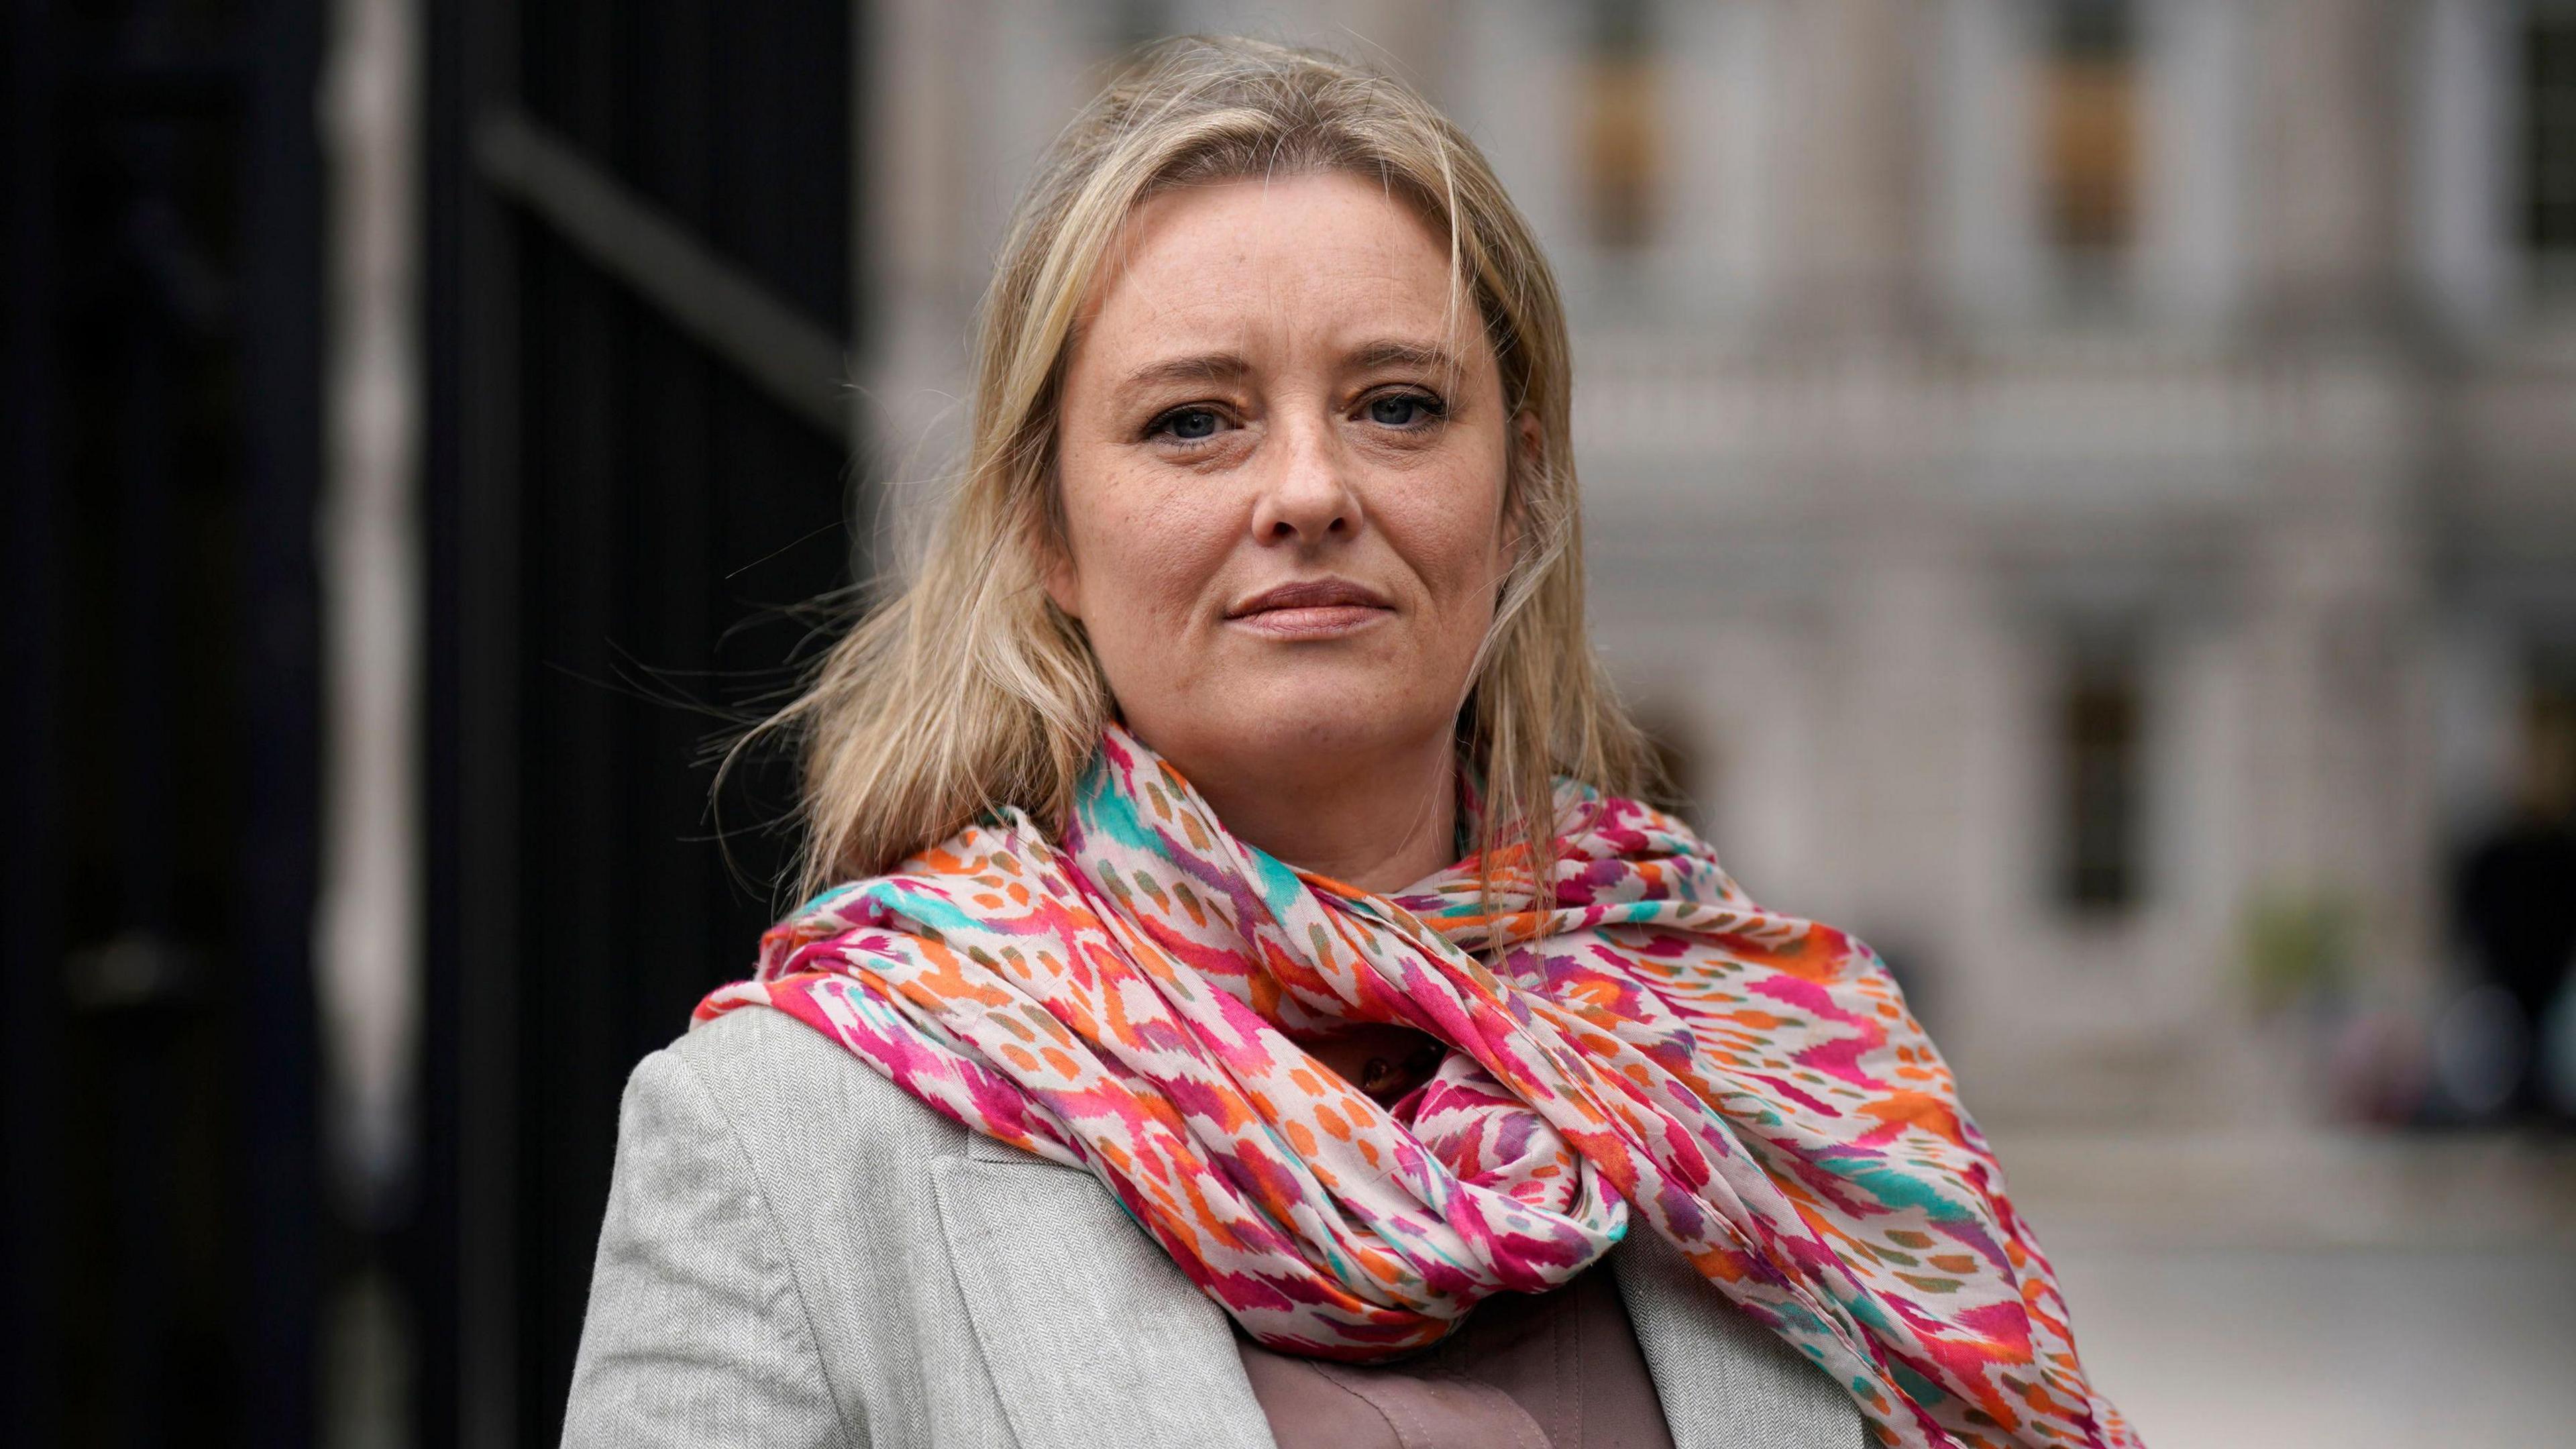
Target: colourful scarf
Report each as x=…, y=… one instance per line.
x=1749, y=1082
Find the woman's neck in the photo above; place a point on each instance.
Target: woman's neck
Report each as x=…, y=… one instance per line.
x=1381, y=826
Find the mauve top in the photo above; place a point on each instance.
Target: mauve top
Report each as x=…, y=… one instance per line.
x=1558, y=1370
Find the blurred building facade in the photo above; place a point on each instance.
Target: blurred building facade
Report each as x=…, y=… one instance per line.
x=2086, y=489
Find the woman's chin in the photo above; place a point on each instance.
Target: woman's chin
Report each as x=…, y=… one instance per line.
x=1299, y=729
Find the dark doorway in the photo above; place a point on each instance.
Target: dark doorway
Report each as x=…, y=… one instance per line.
x=639, y=299
x=160, y=449
x=158, y=465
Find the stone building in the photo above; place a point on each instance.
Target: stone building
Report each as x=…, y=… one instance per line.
x=2086, y=488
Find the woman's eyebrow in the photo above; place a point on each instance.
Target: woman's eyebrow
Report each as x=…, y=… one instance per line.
x=1229, y=366
x=1394, y=352
x=1204, y=367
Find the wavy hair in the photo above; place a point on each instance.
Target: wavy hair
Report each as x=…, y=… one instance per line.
x=965, y=688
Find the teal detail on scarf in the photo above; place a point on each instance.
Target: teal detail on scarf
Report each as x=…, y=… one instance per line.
x=1897, y=1188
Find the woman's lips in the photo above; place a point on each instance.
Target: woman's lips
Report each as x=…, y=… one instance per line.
x=1323, y=608
x=1313, y=621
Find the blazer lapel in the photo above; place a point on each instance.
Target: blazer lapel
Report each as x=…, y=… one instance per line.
x=1092, y=1336
x=1726, y=1381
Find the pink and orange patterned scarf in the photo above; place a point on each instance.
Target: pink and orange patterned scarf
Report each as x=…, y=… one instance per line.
x=1750, y=1083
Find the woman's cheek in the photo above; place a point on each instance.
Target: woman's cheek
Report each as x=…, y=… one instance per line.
x=1459, y=544
x=1150, y=580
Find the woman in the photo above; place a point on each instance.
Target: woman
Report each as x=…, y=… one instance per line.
x=1249, y=1004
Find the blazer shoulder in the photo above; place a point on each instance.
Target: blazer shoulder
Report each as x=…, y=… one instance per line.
x=848, y=1165
x=787, y=1088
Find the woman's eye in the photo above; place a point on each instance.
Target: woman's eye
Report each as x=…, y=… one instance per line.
x=1402, y=409
x=1189, y=425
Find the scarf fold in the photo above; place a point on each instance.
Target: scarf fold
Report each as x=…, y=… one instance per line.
x=1655, y=1045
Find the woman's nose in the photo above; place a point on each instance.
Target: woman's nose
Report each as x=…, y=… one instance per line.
x=1306, y=494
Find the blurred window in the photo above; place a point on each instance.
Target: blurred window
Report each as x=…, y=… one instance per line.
x=1622, y=119
x=2549, y=128
x=2100, y=711
x=2087, y=115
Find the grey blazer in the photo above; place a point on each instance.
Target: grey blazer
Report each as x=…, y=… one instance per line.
x=796, y=1252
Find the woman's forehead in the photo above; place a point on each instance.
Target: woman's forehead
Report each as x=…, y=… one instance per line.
x=1325, y=265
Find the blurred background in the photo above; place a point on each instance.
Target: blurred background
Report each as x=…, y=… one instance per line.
x=2084, y=491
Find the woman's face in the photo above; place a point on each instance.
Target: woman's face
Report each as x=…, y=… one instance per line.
x=1282, y=466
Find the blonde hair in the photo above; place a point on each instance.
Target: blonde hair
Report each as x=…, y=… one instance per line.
x=967, y=689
